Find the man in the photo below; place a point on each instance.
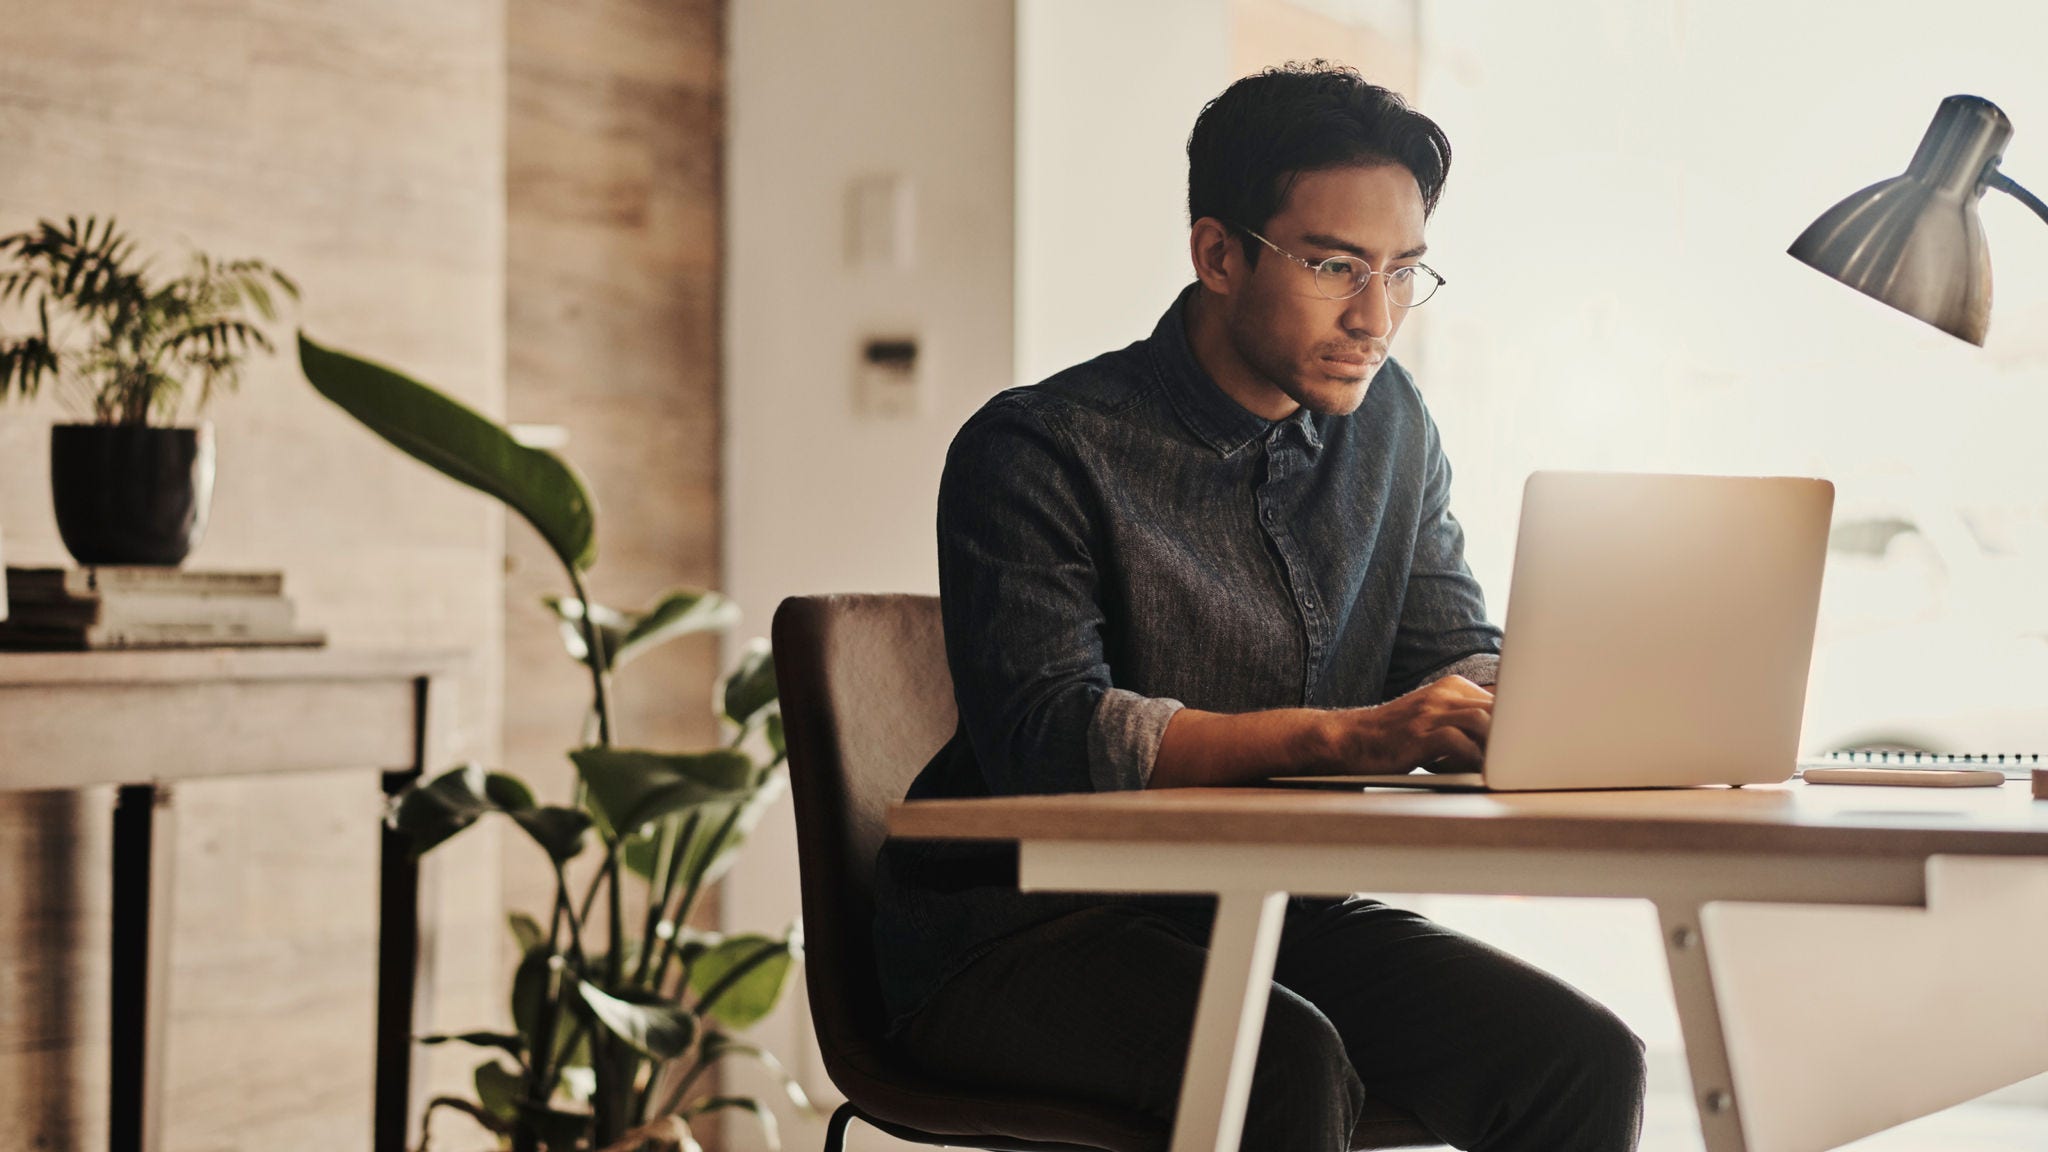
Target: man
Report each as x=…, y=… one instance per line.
x=1222, y=553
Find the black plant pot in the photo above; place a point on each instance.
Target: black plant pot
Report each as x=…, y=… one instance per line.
x=128, y=494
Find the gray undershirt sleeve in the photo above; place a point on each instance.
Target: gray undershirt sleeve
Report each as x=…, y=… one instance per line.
x=1123, y=738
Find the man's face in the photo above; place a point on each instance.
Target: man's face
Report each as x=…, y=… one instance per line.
x=1323, y=353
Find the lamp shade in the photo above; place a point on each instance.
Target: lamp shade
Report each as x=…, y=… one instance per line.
x=1914, y=241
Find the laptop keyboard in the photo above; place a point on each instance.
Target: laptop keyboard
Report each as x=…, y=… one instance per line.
x=2015, y=765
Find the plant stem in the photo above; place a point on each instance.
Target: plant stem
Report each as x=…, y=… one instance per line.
x=599, y=660
x=575, y=930
x=615, y=963
x=683, y=1091
x=667, y=864
x=690, y=893
x=596, y=882
x=541, y=1072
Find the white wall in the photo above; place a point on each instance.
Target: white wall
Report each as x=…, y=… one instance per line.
x=1106, y=94
x=1628, y=175
x=820, y=497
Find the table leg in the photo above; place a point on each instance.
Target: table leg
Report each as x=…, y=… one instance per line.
x=1699, y=1019
x=143, y=854
x=1228, y=1020
x=1844, y=1021
x=398, y=961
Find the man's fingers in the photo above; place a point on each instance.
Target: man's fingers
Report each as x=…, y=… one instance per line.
x=1448, y=749
x=1474, y=722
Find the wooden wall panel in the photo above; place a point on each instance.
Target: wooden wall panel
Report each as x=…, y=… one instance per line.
x=359, y=144
x=612, y=182
x=614, y=138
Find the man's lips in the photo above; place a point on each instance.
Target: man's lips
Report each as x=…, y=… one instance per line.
x=1355, y=360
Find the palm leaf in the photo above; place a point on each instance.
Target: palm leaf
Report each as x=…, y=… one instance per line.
x=454, y=439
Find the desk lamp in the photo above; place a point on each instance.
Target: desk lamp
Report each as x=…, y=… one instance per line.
x=1914, y=241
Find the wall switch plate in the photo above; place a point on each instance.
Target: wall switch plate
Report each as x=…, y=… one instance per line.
x=881, y=218
x=886, y=378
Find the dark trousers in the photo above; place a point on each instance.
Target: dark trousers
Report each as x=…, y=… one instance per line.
x=1488, y=1052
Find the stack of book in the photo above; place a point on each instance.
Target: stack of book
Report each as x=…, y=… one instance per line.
x=78, y=609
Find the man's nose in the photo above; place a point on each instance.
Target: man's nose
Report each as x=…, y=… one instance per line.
x=1370, y=312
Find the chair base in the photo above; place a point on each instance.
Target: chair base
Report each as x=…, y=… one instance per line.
x=844, y=1116
x=1383, y=1131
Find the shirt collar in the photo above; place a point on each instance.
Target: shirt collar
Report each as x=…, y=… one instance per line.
x=1218, y=420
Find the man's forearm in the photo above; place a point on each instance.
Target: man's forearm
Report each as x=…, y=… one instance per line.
x=1443, y=723
x=1210, y=748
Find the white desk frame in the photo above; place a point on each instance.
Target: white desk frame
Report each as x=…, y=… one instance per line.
x=1781, y=1061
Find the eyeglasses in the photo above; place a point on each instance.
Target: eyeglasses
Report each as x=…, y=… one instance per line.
x=1342, y=277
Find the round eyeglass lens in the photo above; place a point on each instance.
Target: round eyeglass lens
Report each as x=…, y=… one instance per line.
x=1341, y=278
x=1411, y=285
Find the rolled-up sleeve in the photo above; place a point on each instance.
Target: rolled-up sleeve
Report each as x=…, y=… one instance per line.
x=1443, y=629
x=1021, y=597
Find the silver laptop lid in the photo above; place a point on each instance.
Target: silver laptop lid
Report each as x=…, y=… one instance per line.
x=1659, y=630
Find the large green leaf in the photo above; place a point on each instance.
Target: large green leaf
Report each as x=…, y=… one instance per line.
x=498, y=1089
x=629, y=787
x=557, y=1129
x=769, y=1135
x=526, y=931
x=579, y=1081
x=718, y=1045
x=751, y=687
x=742, y=997
x=650, y=1024
x=503, y=1041
x=558, y=830
x=679, y=612
x=708, y=858
x=612, y=627
x=431, y=811
x=530, y=993
x=463, y=444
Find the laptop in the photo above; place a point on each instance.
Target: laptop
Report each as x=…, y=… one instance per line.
x=1659, y=635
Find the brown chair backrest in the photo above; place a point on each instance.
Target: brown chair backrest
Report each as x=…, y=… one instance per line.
x=867, y=699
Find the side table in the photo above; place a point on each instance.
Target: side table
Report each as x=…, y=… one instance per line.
x=145, y=721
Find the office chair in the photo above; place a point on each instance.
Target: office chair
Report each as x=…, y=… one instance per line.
x=866, y=701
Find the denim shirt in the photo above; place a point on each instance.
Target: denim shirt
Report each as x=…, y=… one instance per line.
x=1124, y=540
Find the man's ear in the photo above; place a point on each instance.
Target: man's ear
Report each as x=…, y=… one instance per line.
x=1219, y=261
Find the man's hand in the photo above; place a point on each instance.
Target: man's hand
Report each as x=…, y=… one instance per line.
x=1442, y=726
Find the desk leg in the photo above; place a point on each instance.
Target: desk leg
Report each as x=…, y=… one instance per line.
x=144, y=844
x=1228, y=1019
x=398, y=962
x=1844, y=1021
x=1699, y=1019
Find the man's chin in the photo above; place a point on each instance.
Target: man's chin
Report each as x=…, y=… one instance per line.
x=1334, y=395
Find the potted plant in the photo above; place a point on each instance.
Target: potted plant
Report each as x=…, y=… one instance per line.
x=619, y=1006
x=127, y=350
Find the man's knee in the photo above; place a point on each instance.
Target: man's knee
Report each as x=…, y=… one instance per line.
x=1602, y=1071
x=1305, y=1094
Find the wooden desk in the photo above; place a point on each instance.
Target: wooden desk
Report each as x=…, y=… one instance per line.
x=146, y=721
x=1844, y=959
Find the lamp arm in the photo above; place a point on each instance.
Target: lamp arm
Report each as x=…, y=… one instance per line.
x=1999, y=180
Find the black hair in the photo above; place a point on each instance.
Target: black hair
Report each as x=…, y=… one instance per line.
x=1252, y=142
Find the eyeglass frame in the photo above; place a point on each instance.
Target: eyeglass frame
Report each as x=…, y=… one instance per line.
x=1316, y=268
